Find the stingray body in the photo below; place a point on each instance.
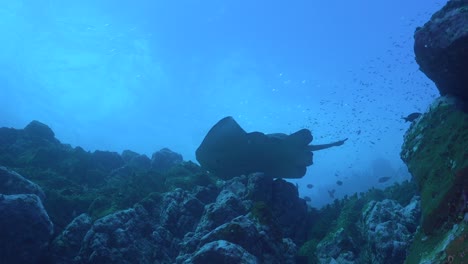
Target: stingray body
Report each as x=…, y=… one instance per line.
x=228, y=151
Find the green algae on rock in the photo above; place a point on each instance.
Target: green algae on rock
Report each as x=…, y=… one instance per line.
x=435, y=150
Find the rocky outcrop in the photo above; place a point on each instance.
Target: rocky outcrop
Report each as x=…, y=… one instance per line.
x=135, y=160
x=77, y=181
x=177, y=226
x=25, y=229
x=25, y=225
x=222, y=251
x=389, y=228
x=65, y=246
x=165, y=159
x=440, y=48
x=385, y=229
x=13, y=183
x=435, y=151
x=435, y=146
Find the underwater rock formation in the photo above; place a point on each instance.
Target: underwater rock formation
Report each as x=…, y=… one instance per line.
x=65, y=245
x=375, y=232
x=441, y=49
x=435, y=147
x=13, y=183
x=25, y=229
x=178, y=227
x=435, y=151
x=165, y=159
x=388, y=228
x=25, y=225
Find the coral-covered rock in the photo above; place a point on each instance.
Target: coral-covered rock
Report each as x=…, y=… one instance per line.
x=227, y=207
x=165, y=159
x=435, y=151
x=440, y=48
x=388, y=227
x=177, y=225
x=68, y=243
x=37, y=129
x=122, y=237
x=221, y=251
x=256, y=238
x=13, y=183
x=135, y=160
x=107, y=160
x=25, y=228
x=338, y=245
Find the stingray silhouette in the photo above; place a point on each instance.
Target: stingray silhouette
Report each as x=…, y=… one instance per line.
x=228, y=151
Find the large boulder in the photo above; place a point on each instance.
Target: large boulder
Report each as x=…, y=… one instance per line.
x=68, y=242
x=165, y=159
x=388, y=227
x=37, y=129
x=135, y=160
x=435, y=151
x=441, y=49
x=25, y=229
x=221, y=251
x=13, y=183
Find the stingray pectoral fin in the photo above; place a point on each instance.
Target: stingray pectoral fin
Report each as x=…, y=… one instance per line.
x=301, y=138
x=223, y=150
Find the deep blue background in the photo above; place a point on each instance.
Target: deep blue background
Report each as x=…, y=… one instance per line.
x=142, y=75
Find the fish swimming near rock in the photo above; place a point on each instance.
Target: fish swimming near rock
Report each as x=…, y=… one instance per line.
x=228, y=151
x=411, y=117
x=384, y=179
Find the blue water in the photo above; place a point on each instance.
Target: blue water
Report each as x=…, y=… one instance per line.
x=142, y=75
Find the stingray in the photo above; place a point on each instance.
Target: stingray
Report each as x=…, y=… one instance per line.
x=228, y=151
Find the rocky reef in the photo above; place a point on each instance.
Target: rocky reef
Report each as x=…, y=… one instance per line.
x=75, y=206
x=372, y=227
x=435, y=150
x=106, y=207
x=435, y=147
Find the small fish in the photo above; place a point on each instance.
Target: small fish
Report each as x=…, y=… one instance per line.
x=411, y=117
x=310, y=186
x=307, y=199
x=384, y=179
x=339, y=183
x=331, y=193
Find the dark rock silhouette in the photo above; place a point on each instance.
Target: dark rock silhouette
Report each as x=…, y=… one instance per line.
x=440, y=48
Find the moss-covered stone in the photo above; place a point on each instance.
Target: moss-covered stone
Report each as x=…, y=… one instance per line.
x=435, y=151
x=308, y=250
x=76, y=181
x=342, y=217
x=262, y=213
x=443, y=246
